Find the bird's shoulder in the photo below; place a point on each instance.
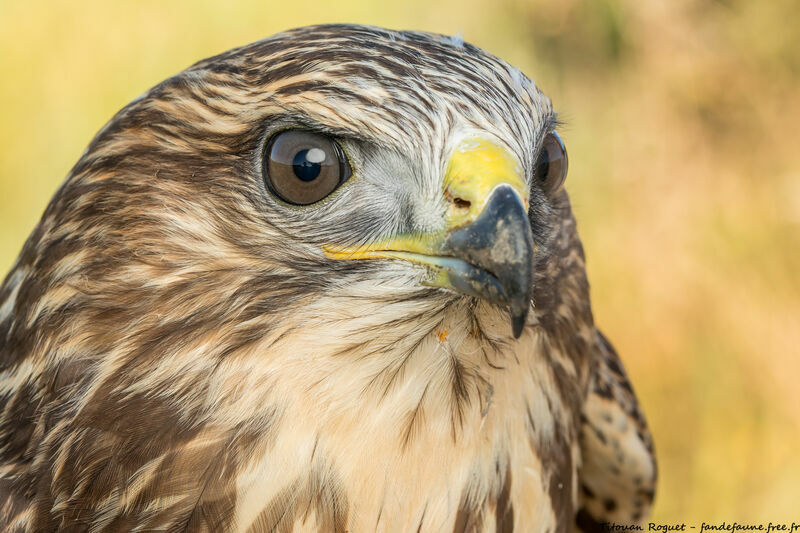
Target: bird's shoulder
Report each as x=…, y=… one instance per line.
x=618, y=472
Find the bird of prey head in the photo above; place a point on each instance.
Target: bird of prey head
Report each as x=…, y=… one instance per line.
x=328, y=281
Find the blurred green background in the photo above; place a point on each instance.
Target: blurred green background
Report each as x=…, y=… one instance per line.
x=682, y=126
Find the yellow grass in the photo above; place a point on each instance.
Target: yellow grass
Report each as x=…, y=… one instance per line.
x=682, y=127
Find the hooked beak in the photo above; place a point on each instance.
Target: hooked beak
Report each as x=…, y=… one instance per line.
x=486, y=248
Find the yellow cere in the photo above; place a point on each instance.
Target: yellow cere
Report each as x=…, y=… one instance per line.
x=476, y=167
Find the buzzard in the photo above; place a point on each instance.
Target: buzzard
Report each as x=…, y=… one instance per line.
x=329, y=281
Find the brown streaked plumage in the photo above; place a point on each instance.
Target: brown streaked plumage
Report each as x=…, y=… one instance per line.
x=182, y=350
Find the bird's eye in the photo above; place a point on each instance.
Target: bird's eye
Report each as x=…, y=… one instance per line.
x=551, y=167
x=303, y=167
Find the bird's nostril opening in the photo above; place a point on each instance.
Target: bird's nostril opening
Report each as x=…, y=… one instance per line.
x=461, y=203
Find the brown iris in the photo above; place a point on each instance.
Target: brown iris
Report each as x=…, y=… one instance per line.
x=551, y=166
x=303, y=167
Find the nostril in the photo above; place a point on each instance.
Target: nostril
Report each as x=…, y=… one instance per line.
x=456, y=201
x=461, y=203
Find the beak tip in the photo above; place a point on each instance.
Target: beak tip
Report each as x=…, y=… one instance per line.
x=518, y=323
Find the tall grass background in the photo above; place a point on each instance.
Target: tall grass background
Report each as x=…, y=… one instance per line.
x=682, y=125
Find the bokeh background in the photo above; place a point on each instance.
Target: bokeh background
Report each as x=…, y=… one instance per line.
x=682, y=125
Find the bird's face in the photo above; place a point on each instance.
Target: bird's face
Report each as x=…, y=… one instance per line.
x=438, y=182
x=395, y=165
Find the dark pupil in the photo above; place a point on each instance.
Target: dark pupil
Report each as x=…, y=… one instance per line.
x=305, y=169
x=544, y=165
